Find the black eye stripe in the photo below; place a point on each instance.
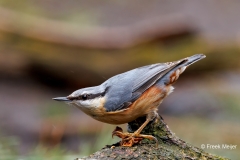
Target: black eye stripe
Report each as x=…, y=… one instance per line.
x=86, y=96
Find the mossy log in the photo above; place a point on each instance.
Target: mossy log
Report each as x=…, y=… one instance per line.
x=169, y=146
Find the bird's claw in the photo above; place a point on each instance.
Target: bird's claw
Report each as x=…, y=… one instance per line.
x=129, y=139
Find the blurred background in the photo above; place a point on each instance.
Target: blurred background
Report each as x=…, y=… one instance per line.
x=50, y=48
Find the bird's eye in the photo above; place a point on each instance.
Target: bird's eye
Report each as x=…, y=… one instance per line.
x=85, y=96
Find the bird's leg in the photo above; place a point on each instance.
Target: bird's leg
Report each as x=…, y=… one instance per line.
x=129, y=139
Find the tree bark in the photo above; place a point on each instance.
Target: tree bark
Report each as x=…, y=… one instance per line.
x=169, y=146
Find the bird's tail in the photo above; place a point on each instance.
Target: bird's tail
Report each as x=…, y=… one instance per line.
x=172, y=75
x=193, y=59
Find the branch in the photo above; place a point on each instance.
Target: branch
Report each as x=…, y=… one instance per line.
x=169, y=147
x=118, y=37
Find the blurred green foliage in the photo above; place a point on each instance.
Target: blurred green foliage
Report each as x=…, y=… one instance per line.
x=67, y=13
x=8, y=147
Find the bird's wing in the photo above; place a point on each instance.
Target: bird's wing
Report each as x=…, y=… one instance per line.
x=140, y=79
x=151, y=75
x=147, y=76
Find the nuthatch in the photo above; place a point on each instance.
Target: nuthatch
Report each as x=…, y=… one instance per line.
x=130, y=95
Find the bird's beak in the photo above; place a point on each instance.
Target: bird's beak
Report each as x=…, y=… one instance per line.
x=64, y=99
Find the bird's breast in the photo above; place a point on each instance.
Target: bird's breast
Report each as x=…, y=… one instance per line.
x=146, y=103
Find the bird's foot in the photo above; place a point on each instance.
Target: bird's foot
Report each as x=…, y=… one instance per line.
x=129, y=139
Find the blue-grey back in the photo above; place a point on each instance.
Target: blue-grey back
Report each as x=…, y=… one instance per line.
x=122, y=87
x=125, y=88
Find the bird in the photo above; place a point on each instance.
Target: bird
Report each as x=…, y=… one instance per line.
x=127, y=96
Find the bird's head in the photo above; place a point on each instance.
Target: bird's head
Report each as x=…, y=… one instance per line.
x=85, y=97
